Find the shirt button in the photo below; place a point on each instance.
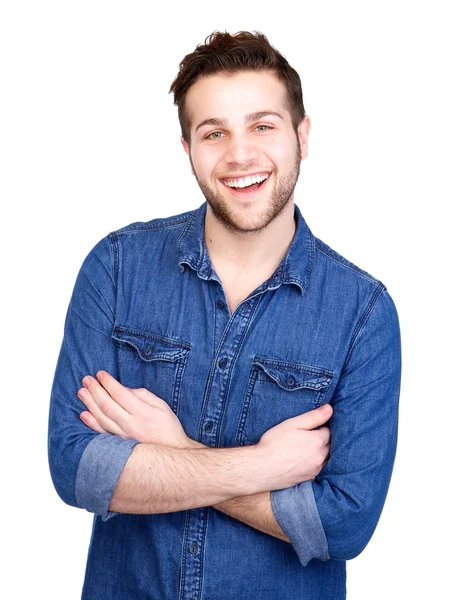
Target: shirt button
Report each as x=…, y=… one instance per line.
x=291, y=381
x=220, y=304
x=147, y=350
x=193, y=548
x=209, y=426
x=223, y=362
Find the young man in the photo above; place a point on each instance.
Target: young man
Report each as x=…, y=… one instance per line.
x=213, y=347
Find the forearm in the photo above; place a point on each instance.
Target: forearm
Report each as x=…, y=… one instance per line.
x=254, y=510
x=162, y=479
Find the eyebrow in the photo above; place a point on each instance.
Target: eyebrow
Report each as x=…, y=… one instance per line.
x=251, y=118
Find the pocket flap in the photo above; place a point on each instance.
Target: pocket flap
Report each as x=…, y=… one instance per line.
x=293, y=376
x=151, y=346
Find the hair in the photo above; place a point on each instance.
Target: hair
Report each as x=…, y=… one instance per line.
x=223, y=52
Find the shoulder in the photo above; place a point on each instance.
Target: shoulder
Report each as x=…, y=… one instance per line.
x=351, y=287
x=340, y=282
x=342, y=266
x=154, y=225
x=136, y=240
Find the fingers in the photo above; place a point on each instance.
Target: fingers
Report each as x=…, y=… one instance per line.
x=100, y=405
x=314, y=418
x=324, y=434
x=91, y=422
x=120, y=394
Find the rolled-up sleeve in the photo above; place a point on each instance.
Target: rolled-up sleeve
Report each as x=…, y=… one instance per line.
x=295, y=511
x=336, y=515
x=85, y=466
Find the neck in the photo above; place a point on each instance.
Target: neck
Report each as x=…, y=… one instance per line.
x=250, y=251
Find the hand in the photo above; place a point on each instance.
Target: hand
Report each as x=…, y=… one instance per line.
x=298, y=451
x=129, y=413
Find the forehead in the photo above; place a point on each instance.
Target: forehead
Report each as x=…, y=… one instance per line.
x=234, y=96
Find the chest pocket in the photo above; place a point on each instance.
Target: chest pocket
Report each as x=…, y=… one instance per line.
x=152, y=361
x=276, y=391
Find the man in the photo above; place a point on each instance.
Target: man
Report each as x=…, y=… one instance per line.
x=213, y=347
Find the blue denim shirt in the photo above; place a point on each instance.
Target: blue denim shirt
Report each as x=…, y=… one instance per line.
x=149, y=308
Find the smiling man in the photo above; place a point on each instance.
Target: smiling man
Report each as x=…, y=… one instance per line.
x=213, y=347
x=246, y=164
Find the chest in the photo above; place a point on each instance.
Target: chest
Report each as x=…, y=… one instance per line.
x=228, y=378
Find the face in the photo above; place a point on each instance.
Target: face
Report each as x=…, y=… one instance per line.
x=243, y=149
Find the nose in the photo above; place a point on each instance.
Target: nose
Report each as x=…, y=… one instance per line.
x=240, y=150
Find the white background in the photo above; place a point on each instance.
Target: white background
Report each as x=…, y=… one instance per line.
x=89, y=142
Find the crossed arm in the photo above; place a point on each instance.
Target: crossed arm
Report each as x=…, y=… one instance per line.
x=337, y=511
x=152, y=421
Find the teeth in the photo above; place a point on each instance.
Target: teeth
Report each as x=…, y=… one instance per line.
x=241, y=183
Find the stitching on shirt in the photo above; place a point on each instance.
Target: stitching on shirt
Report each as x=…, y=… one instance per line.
x=116, y=259
x=140, y=227
x=185, y=231
x=115, y=250
x=364, y=318
x=155, y=337
x=293, y=279
x=330, y=253
x=292, y=365
x=312, y=255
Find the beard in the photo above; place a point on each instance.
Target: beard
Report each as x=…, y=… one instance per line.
x=279, y=198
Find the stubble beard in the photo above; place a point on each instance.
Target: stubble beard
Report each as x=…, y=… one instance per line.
x=281, y=195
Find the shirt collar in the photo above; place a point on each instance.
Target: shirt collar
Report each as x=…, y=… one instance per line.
x=295, y=268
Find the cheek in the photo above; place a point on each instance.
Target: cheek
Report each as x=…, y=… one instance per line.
x=277, y=152
x=204, y=164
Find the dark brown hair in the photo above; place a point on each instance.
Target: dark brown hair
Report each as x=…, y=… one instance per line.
x=227, y=53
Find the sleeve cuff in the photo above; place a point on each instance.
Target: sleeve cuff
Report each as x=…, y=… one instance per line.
x=296, y=512
x=99, y=470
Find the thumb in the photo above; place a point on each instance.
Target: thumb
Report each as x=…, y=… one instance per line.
x=314, y=418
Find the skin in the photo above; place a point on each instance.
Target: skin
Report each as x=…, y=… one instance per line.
x=139, y=414
x=246, y=233
x=243, y=236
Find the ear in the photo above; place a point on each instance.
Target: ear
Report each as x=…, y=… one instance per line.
x=303, y=135
x=185, y=145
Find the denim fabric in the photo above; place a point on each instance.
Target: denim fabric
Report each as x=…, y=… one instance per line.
x=149, y=308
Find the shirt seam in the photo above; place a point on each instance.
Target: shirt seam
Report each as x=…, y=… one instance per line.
x=377, y=292
x=152, y=225
x=347, y=265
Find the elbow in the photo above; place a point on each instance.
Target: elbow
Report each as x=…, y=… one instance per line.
x=348, y=549
x=349, y=515
x=64, y=492
x=64, y=454
x=63, y=470
x=86, y=468
x=349, y=535
x=63, y=481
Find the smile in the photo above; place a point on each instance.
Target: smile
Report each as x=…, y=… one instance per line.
x=243, y=186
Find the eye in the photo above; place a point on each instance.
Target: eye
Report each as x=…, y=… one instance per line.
x=211, y=136
x=267, y=127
